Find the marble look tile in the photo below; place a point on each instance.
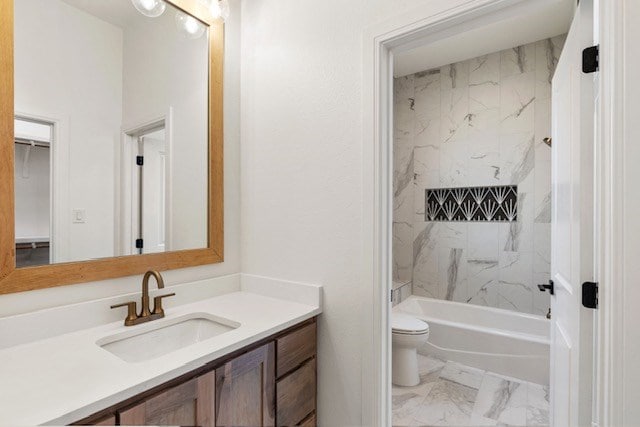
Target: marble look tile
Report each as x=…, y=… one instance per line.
x=405, y=401
x=426, y=162
x=448, y=404
x=404, y=407
x=517, y=157
x=516, y=281
x=462, y=374
x=402, y=250
x=403, y=107
x=542, y=129
x=538, y=405
x=454, y=395
x=404, y=292
x=478, y=421
x=455, y=76
x=482, y=278
x=403, y=87
x=517, y=96
x=547, y=56
x=517, y=236
x=430, y=368
x=425, y=275
x=484, y=148
x=403, y=169
x=452, y=274
x=478, y=122
x=453, y=235
x=542, y=248
x=517, y=60
x=484, y=239
x=484, y=83
x=454, y=164
x=502, y=400
x=427, y=90
x=454, y=105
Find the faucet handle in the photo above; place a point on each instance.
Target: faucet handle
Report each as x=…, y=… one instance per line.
x=157, y=303
x=131, y=311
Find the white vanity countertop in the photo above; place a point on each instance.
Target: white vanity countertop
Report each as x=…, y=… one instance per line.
x=63, y=379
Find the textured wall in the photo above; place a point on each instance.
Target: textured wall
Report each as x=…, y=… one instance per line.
x=479, y=122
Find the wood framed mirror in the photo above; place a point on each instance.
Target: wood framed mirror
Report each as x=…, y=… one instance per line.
x=128, y=186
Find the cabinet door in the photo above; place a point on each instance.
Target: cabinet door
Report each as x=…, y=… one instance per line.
x=245, y=389
x=190, y=403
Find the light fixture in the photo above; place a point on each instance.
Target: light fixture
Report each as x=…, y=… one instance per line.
x=189, y=26
x=219, y=9
x=150, y=8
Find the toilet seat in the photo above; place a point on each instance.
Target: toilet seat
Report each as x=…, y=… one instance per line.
x=408, y=325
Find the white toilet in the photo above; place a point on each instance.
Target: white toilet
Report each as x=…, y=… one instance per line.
x=407, y=334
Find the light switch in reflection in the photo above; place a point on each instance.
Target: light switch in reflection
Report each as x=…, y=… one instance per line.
x=79, y=216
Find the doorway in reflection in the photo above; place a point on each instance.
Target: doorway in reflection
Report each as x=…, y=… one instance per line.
x=32, y=180
x=151, y=162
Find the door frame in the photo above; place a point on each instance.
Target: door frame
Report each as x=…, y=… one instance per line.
x=60, y=211
x=124, y=173
x=379, y=43
x=614, y=121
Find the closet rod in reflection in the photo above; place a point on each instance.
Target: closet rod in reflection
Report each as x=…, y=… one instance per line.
x=31, y=142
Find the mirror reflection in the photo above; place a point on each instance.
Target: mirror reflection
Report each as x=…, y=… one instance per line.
x=111, y=129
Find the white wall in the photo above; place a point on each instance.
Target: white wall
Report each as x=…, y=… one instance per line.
x=163, y=69
x=52, y=297
x=302, y=184
x=78, y=80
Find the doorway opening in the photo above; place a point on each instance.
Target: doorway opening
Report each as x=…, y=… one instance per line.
x=472, y=209
x=33, y=182
x=145, y=189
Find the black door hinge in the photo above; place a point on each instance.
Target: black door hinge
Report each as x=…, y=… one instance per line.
x=548, y=287
x=591, y=59
x=139, y=243
x=590, y=294
x=139, y=160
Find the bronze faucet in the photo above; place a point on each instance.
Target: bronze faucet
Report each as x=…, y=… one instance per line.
x=145, y=314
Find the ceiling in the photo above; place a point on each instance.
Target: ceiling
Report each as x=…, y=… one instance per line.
x=120, y=13
x=546, y=19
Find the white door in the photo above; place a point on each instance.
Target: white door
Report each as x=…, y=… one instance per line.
x=572, y=228
x=154, y=193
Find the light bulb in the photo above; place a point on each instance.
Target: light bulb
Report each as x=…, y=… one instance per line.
x=189, y=26
x=150, y=8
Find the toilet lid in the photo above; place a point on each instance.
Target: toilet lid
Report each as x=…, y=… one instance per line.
x=407, y=324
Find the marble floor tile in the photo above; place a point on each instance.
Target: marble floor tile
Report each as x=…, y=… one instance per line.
x=538, y=405
x=455, y=395
x=502, y=400
x=448, y=404
x=461, y=374
x=405, y=401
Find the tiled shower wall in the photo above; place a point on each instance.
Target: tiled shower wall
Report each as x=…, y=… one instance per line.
x=479, y=122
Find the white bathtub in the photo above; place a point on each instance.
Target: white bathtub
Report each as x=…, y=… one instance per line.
x=502, y=341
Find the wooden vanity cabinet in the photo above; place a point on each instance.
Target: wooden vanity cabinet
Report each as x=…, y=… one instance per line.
x=272, y=382
x=188, y=404
x=245, y=389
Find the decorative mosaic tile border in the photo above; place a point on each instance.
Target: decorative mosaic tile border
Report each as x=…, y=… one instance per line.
x=496, y=204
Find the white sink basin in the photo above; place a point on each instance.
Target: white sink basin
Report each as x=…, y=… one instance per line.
x=159, y=337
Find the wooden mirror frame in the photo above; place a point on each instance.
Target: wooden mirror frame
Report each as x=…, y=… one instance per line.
x=14, y=279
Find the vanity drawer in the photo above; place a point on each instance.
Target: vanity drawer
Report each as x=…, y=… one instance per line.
x=296, y=395
x=294, y=348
